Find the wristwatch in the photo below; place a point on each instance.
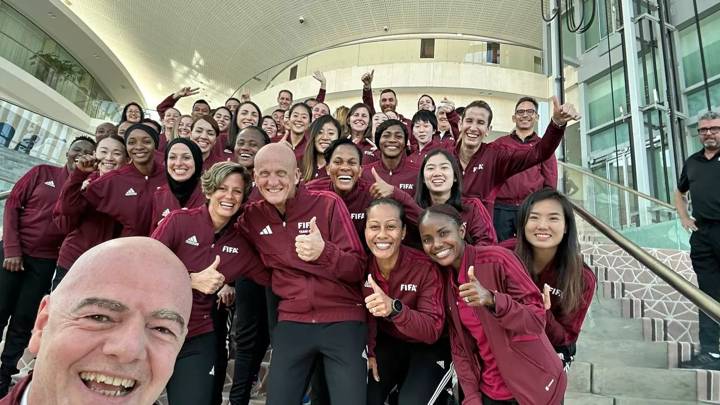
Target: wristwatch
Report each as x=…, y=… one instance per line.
x=397, y=306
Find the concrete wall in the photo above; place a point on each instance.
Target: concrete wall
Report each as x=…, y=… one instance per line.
x=460, y=82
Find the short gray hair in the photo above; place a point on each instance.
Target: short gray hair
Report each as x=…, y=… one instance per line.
x=213, y=177
x=709, y=116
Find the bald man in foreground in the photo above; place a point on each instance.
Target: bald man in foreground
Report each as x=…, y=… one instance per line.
x=112, y=329
x=321, y=312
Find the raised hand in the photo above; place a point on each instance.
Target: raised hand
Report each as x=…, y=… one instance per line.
x=378, y=303
x=209, y=280
x=562, y=114
x=86, y=163
x=186, y=91
x=474, y=294
x=309, y=247
x=245, y=95
x=381, y=188
x=367, y=78
x=319, y=76
x=446, y=105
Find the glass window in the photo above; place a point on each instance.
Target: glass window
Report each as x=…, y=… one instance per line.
x=606, y=14
x=600, y=97
x=604, y=141
x=30, y=48
x=493, y=53
x=427, y=48
x=690, y=50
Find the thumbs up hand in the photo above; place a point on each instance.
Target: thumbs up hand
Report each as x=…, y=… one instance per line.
x=209, y=280
x=381, y=188
x=562, y=114
x=547, y=303
x=309, y=247
x=474, y=294
x=378, y=303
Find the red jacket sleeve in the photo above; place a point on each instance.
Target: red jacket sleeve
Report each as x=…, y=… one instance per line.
x=412, y=210
x=166, y=104
x=371, y=335
x=564, y=329
x=19, y=195
x=321, y=95
x=454, y=121
x=549, y=171
x=343, y=254
x=510, y=161
x=464, y=367
x=250, y=265
x=519, y=308
x=481, y=227
x=367, y=98
x=165, y=232
x=424, y=323
x=71, y=201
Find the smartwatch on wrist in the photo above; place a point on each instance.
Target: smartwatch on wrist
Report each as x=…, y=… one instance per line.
x=397, y=307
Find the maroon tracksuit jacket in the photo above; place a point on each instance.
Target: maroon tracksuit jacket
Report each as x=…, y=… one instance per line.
x=326, y=290
x=416, y=282
x=85, y=226
x=535, y=178
x=216, y=156
x=417, y=156
x=28, y=228
x=403, y=177
x=519, y=356
x=358, y=200
x=164, y=202
x=299, y=149
x=561, y=328
x=493, y=164
x=190, y=235
x=478, y=222
x=14, y=397
x=126, y=195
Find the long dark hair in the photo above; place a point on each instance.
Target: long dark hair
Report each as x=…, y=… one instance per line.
x=422, y=193
x=234, y=129
x=309, y=161
x=568, y=260
x=123, y=118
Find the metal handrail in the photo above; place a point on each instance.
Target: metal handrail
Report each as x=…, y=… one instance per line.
x=4, y=195
x=686, y=288
x=616, y=185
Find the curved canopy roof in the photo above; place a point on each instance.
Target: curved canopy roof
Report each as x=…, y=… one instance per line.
x=217, y=45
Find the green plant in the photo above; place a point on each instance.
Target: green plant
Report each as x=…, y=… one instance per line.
x=58, y=66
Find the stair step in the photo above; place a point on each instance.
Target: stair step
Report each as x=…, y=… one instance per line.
x=648, y=383
x=576, y=398
x=579, y=377
x=600, y=326
x=620, y=353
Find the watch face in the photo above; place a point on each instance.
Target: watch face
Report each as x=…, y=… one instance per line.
x=397, y=305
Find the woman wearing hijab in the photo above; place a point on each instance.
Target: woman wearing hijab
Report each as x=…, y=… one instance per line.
x=183, y=167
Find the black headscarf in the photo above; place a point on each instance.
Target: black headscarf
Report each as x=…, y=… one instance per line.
x=183, y=190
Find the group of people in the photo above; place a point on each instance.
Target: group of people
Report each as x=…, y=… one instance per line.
x=374, y=253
